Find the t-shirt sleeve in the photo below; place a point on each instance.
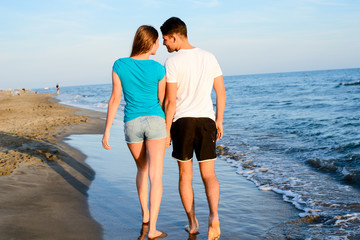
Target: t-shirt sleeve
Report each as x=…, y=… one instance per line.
x=116, y=67
x=170, y=72
x=216, y=70
x=161, y=71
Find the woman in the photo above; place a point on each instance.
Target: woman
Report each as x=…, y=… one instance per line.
x=143, y=84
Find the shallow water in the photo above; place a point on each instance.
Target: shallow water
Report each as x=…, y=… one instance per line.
x=298, y=134
x=245, y=212
x=295, y=134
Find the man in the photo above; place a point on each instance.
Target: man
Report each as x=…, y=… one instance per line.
x=192, y=73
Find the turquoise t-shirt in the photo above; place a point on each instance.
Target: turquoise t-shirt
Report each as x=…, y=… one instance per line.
x=139, y=80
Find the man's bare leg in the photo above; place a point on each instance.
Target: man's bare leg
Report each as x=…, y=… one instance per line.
x=212, y=189
x=187, y=194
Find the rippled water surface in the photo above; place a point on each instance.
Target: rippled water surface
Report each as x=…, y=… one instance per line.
x=297, y=134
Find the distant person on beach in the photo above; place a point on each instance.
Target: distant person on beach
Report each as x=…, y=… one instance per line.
x=57, y=88
x=191, y=74
x=143, y=83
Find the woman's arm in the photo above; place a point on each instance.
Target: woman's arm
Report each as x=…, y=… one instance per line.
x=113, y=106
x=161, y=91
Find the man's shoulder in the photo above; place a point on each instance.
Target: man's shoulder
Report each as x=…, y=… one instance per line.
x=188, y=55
x=184, y=53
x=206, y=53
x=175, y=55
x=172, y=59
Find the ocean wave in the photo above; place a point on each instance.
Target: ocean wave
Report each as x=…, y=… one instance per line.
x=307, y=190
x=316, y=227
x=351, y=83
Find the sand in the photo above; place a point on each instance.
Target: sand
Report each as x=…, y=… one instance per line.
x=246, y=213
x=44, y=182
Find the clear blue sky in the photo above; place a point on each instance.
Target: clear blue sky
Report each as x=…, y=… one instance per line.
x=75, y=42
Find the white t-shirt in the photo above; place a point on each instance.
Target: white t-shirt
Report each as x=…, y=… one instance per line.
x=194, y=71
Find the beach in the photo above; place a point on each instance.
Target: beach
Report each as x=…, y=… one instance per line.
x=44, y=182
x=246, y=213
x=287, y=164
x=51, y=190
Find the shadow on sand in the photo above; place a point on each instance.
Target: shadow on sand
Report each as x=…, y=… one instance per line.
x=17, y=150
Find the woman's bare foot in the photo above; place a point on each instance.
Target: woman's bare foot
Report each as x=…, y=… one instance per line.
x=145, y=217
x=156, y=235
x=143, y=231
x=214, y=230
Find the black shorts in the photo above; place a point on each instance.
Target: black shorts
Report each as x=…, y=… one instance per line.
x=194, y=134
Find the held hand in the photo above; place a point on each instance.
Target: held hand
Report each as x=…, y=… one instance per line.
x=168, y=142
x=105, y=142
x=168, y=139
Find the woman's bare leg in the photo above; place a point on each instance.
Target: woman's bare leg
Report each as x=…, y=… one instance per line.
x=138, y=151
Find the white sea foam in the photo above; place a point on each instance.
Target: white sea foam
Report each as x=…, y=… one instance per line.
x=281, y=129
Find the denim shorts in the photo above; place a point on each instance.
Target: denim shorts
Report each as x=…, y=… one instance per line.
x=144, y=128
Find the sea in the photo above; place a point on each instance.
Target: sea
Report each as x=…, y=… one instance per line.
x=296, y=134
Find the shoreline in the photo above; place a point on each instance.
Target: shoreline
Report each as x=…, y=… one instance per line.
x=245, y=211
x=47, y=196
x=44, y=180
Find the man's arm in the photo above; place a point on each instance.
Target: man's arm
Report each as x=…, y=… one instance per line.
x=170, y=108
x=219, y=88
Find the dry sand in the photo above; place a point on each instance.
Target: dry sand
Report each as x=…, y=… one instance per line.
x=43, y=181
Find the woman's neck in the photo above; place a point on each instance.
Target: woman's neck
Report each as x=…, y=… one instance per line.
x=144, y=56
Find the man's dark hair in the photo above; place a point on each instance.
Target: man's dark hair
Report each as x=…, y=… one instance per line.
x=174, y=25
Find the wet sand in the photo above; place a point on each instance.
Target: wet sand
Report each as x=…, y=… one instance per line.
x=245, y=211
x=44, y=182
x=49, y=192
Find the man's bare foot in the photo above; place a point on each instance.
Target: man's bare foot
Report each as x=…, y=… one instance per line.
x=193, y=229
x=214, y=230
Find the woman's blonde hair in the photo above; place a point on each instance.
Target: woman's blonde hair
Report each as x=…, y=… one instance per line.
x=144, y=39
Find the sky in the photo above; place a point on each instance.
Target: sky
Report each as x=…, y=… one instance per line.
x=75, y=42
